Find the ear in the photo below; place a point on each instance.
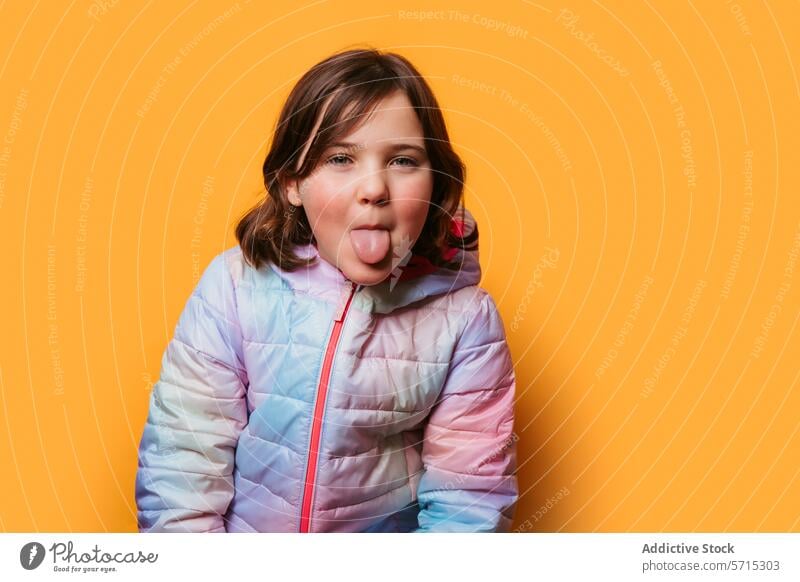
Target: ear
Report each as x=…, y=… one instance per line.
x=293, y=193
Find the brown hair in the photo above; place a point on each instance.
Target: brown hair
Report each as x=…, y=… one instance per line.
x=355, y=80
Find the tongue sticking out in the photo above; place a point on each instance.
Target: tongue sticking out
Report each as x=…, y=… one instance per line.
x=371, y=246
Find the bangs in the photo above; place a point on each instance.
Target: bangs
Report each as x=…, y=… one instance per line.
x=349, y=107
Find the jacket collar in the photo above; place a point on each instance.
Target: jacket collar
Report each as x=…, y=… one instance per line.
x=418, y=279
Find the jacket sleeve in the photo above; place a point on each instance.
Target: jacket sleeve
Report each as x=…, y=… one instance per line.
x=196, y=412
x=469, y=481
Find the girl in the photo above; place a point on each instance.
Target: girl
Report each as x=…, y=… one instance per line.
x=340, y=369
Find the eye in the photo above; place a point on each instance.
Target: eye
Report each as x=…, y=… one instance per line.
x=406, y=162
x=338, y=159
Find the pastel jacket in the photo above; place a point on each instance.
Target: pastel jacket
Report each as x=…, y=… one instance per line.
x=302, y=402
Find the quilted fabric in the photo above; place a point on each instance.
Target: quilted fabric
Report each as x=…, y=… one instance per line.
x=417, y=424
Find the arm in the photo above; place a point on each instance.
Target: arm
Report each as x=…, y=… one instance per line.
x=197, y=410
x=469, y=481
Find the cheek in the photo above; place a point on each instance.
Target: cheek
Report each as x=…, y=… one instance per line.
x=416, y=190
x=328, y=192
x=321, y=197
x=411, y=214
x=412, y=198
x=418, y=186
x=311, y=188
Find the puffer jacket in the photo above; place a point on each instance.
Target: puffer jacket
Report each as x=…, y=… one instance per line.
x=302, y=402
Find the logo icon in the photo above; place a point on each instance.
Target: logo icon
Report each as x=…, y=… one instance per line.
x=31, y=555
x=401, y=254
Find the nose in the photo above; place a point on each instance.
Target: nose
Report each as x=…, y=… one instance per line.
x=373, y=189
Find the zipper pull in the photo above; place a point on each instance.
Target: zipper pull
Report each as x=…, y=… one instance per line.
x=347, y=292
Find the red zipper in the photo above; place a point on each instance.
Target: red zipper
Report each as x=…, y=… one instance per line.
x=316, y=427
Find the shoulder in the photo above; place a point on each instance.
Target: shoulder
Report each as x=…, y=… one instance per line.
x=219, y=281
x=471, y=300
x=479, y=315
x=225, y=270
x=210, y=322
x=481, y=356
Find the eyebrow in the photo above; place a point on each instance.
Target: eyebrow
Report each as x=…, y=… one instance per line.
x=393, y=147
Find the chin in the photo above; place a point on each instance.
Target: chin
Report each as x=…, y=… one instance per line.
x=365, y=274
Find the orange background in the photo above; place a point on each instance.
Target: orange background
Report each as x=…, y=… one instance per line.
x=633, y=167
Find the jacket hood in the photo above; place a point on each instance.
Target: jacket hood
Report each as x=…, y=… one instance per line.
x=418, y=279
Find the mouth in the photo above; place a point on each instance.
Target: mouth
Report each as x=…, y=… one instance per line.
x=370, y=226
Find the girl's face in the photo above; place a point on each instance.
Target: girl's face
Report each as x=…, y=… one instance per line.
x=368, y=197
